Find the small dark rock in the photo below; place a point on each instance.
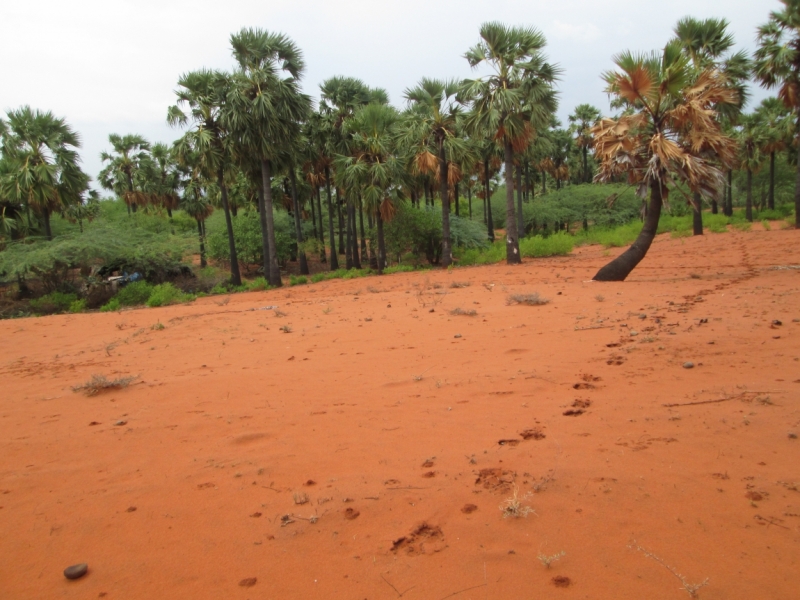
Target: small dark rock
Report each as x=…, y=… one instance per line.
x=458, y=335
x=131, y=509
x=642, y=316
x=688, y=365
x=792, y=435
x=777, y=323
x=76, y=571
x=249, y=582
x=120, y=423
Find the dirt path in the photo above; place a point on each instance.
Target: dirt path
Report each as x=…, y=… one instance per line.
x=358, y=441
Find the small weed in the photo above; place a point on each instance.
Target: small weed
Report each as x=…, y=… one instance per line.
x=529, y=299
x=223, y=302
x=286, y=329
x=691, y=588
x=548, y=560
x=459, y=284
x=512, y=507
x=327, y=310
x=765, y=225
x=461, y=312
x=600, y=298
x=300, y=498
x=99, y=383
x=373, y=290
x=158, y=326
x=279, y=313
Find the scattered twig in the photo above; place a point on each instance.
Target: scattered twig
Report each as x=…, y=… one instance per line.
x=691, y=588
x=408, y=487
x=595, y=327
x=396, y=591
x=770, y=521
x=736, y=397
x=474, y=587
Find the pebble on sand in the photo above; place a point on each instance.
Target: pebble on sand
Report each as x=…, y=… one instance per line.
x=688, y=365
x=76, y=571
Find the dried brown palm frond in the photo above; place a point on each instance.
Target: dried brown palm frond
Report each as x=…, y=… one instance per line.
x=388, y=210
x=426, y=162
x=138, y=198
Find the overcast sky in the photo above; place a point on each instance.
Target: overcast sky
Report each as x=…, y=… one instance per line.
x=111, y=66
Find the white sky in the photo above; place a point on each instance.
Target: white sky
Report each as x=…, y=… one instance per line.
x=111, y=66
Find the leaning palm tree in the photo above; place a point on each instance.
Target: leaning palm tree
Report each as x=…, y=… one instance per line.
x=433, y=127
x=670, y=135
x=707, y=44
x=512, y=102
x=207, y=143
x=42, y=171
x=124, y=163
x=267, y=108
x=581, y=121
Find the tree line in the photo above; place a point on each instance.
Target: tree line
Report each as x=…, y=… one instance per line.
x=252, y=138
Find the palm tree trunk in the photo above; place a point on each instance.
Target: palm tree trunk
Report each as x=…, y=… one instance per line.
x=619, y=268
x=236, y=277
x=586, y=177
x=313, y=217
x=447, y=253
x=354, y=229
x=322, y=255
x=469, y=201
x=520, y=219
x=348, y=240
x=381, y=243
x=298, y=229
x=342, y=247
x=132, y=205
x=544, y=182
x=512, y=240
x=697, y=214
x=729, y=196
x=202, y=243
x=273, y=273
x=455, y=199
x=334, y=258
x=771, y=192
x=46, y=218
x=489, y=221
x=262, y=217
x=748, y=207
x=361, y=226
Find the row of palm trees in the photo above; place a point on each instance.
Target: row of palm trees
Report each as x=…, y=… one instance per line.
x=252, y=136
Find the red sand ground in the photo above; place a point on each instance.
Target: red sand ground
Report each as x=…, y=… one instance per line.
x=407, y=438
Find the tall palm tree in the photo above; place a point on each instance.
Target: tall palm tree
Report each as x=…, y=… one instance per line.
x=435, y=126
x=207, y=142
x=372, y=165
x=124, y=163
x=512, y=101
x=669, y=135
x=751, y=138
x=267, y=109
x=161, y=178
x=42, y=165
x=196, y=204
x=581, y=121
x=707, y=44
x=776, y=134
x=777, y=64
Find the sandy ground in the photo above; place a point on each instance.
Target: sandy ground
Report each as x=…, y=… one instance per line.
x=366, y=451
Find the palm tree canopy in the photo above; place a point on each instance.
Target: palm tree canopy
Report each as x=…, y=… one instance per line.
x=777, y=58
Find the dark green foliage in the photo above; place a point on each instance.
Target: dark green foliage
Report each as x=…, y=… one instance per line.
x=52, y=303
x=165, y=294
x=135, y=293
x=419, y=231
x=247, y=233
x=111, y=305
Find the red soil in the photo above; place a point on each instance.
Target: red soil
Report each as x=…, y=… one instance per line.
x=406, y=438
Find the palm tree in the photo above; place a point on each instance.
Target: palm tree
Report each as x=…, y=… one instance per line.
x=267, y=108
x=751, y=140
x=434, y=126
x=372, y=166
x=161, y=178
x=670, y=135
x=581, y=121
x=706, y=44
x=777, y=64
x=42, y=171
x=511, y=102
x=207, y=143
x=776, y=133
x=124, y=162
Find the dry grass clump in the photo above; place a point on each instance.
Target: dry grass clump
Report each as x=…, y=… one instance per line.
x=692, y=589
x=99, y=383
x=465, y=313
x=548, y=560
x=459, y=284
x=512, y=507
x=530, y=299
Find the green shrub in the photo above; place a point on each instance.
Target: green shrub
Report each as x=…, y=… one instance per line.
x=318, y=277
x=77, y=306
x=298, y=280
x=111, y=305
x=52, y=303
x=220, y=288
x=135, y=293
x=398, y=269
x=716, y=223
x=560, y=243
x=743, y=225
x=165, y=294
x=765, y=225
x=258, y=284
